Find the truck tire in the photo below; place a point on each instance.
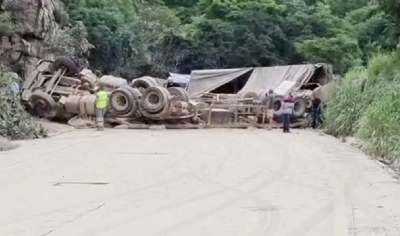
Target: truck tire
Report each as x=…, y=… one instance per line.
x=143, y=83
x=262, y=95
x=181, y=93
x=63, y=62
x=43, y=104
x=300, y=106
x=155, y=99
x=278, y=105
x=135, y=102
x=248, y=94
x=88, y=79
x=121, y=101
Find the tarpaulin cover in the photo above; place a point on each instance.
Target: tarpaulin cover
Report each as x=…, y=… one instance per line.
x=204, y=81
x=161, y=82
x=265, y=78
x=179, y=78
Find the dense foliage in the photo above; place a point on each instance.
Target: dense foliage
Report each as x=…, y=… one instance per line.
x=15, y=122
x=133, y=37
x=366, y=101
x=366, y=104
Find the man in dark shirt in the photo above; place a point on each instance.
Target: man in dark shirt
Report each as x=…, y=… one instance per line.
x=316, y=112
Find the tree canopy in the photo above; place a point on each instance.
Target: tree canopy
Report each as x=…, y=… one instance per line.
x=133, y=37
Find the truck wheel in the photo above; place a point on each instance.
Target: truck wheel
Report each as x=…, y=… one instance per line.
x=143, y=83
x=43, y=104
x=155, y=99
x=135, y=101
x=278, y=105
x=300, y=106
x=121, y=101
x=245, y=94
x=63, y=62
x=180, y=93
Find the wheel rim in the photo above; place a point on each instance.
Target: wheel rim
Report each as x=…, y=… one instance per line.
x=42, y=109
x=297, y=106
x=277, y=105
x=154, y=99
x=121, y=101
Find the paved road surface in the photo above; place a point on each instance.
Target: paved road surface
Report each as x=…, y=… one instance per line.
x=214, y=182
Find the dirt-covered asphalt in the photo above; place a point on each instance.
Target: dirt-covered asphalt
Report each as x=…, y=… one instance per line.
x=194, y=183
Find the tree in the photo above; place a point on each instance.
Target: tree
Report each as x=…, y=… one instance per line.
x=6, y=26
x=135, y=37
x=72, y=42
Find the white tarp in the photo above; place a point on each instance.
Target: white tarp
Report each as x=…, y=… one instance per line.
x=204, y=81
x=265, y=78
x=284, y=87
x=179, y=78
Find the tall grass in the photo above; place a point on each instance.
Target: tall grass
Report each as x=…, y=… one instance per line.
x=373, y=113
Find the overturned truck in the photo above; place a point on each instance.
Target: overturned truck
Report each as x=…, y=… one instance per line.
x=52, y=81
x=59, y=89
x=226, y=98
x=236, y=90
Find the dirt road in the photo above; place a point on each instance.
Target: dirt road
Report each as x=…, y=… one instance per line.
x=194, y=182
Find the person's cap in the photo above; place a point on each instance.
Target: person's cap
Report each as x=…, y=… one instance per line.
x=96, y=88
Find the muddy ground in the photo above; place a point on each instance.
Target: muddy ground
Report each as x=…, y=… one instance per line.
x=194, y=182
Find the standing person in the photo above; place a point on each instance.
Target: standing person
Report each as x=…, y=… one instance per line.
x=269, y=102
x=316, y=111
x=288, y=107
x=101, y=105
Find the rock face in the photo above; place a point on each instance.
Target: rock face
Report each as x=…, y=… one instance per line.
x=35, y=22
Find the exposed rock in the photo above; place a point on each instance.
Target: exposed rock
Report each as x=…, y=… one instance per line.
x=35, y=23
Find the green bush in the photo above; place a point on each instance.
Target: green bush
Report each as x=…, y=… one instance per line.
x=372, y=113
x=6, y=26
x=15, y=122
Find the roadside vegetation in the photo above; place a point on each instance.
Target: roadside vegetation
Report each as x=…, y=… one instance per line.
x=366, y=105
x=15, y=122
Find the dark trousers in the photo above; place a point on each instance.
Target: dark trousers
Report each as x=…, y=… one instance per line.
x=286, y=122
x=316, y=118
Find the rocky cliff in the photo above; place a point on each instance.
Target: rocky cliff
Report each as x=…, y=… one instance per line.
x=34, y=23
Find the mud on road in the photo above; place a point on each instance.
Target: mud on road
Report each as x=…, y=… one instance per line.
x=194, y=182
